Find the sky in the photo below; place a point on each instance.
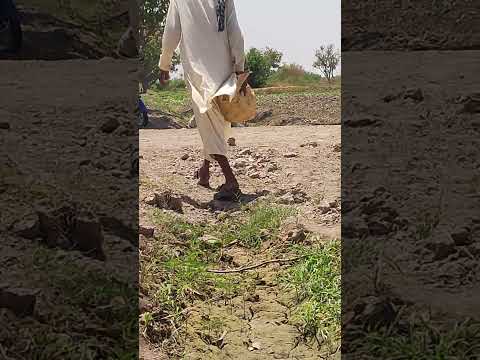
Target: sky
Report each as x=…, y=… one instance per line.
x=296, y=28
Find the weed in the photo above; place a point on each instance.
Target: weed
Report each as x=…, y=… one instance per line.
x=262, y=223
x=316, y=283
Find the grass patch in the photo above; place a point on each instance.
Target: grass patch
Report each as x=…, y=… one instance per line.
x=422, y=341
x=90, y=313
x=261, y=223
x=171, y=101
x=173, y=280
x=316, y=282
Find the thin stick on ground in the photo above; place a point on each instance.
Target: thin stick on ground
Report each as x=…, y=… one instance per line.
x=247, y=268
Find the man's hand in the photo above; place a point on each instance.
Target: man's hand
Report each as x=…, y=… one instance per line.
x=164, y=77
x=243, y=89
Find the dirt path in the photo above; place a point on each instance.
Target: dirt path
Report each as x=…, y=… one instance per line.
x=296, y=166
x=270, y=160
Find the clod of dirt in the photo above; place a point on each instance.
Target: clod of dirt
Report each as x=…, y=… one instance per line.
x=462, y=237
x=313, y=144
x=374, y=312
x=245, y=152
x=87, y=236
x=355, y=123
x=231, y=142
x=110, y=125
x=414, y=94
x=290, y=155
x=273, y=167
x=20, y=301
x=294, y=234
x=148, y=232
x=472, y=104
x=28, y=228
x=239, y=164
x=441, y=244
x=185, y=157
x=166, y=201
x=121, y=228
x=295, y=196
x=4, y=125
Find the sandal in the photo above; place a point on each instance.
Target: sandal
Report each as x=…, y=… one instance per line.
x=227, y=194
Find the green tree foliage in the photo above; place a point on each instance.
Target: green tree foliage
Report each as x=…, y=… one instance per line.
x=154, y=13
x=262, y=63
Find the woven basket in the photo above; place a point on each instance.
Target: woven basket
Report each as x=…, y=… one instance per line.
x=242, y=108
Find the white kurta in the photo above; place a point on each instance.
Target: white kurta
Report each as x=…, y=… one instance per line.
x=209, y=58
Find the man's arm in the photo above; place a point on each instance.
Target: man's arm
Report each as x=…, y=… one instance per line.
x=171, y=37
x=235, y=38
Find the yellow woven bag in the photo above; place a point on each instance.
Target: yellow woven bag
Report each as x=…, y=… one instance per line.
x=242, y=108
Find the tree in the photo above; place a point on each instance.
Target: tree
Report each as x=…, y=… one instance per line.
x=327, y=60
x=154, y=13
x=260, y=67
x=274, y=57
x=262, y=63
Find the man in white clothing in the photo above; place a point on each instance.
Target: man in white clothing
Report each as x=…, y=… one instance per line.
x=212, y=52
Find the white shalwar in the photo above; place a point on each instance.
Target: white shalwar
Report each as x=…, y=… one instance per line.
x=210, y=59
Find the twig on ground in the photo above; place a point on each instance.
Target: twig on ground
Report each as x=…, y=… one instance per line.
x=246, y=268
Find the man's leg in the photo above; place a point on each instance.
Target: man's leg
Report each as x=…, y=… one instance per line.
x=231, y=183
x=203, y=174
x=214, y=130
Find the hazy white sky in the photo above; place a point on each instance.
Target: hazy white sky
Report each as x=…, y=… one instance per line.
x=296, y=28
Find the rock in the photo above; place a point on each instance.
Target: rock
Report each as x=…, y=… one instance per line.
x=462, y=237
x=20, y=301
x=87, y=236
x=231, y=142
x=441, y=244
x=245, y=152
x=185, y=157
x=324, y=208
x=313, y=144
x=295, y=233
x=290, y=155
x=414, y=94
x=4, y=125
x=272, y=167
x=379, y=228
x=256, y=345
x=254, y=175
x=148, y=232
x=110, y=125
x=239, y=164
x=121, y=228
x=333, y=204
x=28, y=228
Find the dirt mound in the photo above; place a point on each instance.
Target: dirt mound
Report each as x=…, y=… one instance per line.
x=297, y=109
x=409, y=25
x=51, y=32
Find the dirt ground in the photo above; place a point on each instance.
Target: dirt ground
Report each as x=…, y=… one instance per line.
x=410, y=211
x=267, y=161
x=296, y=165
x=410, y=25
x=69, y=257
